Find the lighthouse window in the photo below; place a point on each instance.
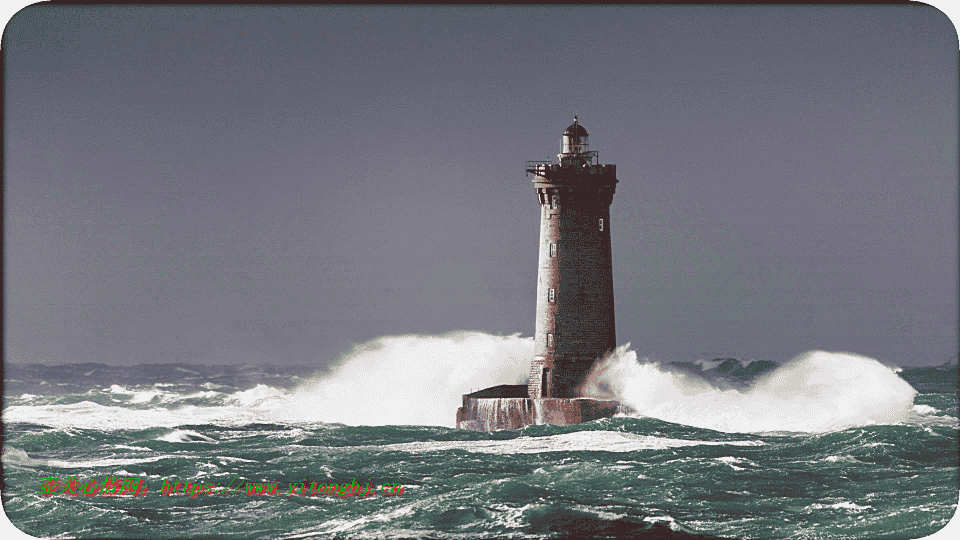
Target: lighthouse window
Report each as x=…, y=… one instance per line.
x=601, y=224
x=553, y=250
x=553, y=295
x=554, y=203
x=549, y=340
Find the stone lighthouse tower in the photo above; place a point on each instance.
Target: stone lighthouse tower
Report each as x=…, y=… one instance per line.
x=575, y=323
x=575, y=319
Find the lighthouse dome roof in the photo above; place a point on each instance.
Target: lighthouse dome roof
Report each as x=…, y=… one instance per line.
x=575, y=129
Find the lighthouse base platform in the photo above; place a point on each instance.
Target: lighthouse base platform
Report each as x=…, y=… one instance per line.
x=507, y=407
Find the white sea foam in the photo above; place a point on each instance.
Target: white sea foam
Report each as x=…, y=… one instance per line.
x=731, y=461
x=145, y=396
x=137, y=448
x=924, y=409
x=184, y=435
x=410, y=379
x=842, y=505
x=814, y=392
x=16, y=456
x=841, y=459
x=89, y=415
x=577, y=441
x=258, y=396
x=207, y=394
x=927, y=415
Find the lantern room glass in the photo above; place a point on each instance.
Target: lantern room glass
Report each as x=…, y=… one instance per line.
x=574, y=144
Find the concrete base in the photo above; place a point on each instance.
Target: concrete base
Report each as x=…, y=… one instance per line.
x=488, y=414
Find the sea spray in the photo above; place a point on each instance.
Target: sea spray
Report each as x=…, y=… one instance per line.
x=419, y=380
x=392, y=380
x=410, y=379
x=814, y=392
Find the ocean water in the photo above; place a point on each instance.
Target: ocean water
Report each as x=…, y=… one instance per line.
x=825, y=445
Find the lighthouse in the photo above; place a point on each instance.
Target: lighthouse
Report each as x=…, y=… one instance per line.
x=575, y=318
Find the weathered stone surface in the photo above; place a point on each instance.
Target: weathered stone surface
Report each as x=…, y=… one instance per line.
x=575, y=317
x=488, y=414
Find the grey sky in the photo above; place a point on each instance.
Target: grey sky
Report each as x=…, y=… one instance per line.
x=218, y=185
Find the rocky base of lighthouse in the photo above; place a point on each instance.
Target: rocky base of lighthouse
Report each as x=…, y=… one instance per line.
x=492, y=413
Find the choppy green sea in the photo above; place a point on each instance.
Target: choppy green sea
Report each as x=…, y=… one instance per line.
x=621, y=477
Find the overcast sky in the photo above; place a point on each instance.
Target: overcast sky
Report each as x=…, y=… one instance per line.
x=241, y=184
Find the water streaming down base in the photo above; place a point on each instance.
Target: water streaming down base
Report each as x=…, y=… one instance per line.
x=506, y=407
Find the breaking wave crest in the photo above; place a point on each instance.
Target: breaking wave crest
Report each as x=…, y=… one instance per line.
x=411, y=379
x=814, y=392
